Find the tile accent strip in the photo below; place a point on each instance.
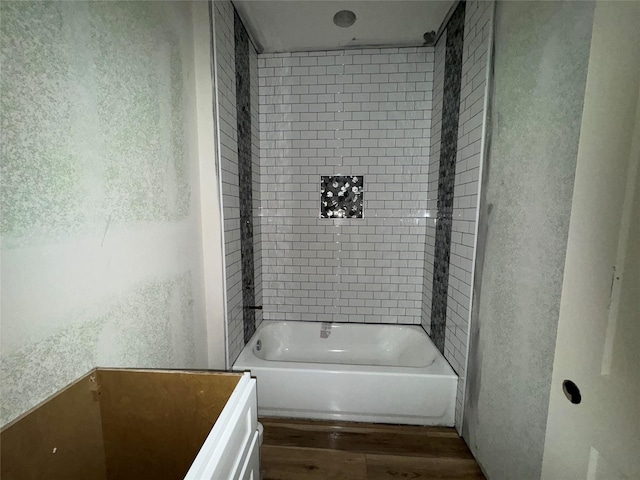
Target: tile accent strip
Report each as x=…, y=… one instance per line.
x=447, y=174
x=243, y=110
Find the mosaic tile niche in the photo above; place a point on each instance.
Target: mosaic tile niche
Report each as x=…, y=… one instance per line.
x=341, y=196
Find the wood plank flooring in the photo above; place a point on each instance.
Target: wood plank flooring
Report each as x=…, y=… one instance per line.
x=314, y=450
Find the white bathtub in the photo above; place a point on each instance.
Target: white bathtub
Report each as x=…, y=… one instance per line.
x=366, y=373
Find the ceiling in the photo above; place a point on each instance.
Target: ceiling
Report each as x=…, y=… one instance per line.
x=306, y=25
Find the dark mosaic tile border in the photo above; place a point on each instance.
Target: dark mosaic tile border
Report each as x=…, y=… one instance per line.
x=243, y=111
x=447, y=173
x=341, y=196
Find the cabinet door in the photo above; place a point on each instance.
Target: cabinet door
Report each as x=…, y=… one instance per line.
x=251, y=468
x=226, y=449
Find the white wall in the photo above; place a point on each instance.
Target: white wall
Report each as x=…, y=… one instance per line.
x=355, y=112
x=598, y=323
x=540, y=65
x=101, y=234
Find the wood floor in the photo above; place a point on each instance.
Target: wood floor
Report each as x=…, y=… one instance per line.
x=312, y=450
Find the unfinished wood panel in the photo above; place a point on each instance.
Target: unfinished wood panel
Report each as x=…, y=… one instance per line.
x=366, y=438
x=60, y=439
x=154, y=422
x=287, y=463
x=392, y=467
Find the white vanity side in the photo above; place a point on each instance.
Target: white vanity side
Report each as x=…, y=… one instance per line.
x=231, y=451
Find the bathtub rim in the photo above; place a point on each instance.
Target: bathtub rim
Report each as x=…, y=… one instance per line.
x=247, y=359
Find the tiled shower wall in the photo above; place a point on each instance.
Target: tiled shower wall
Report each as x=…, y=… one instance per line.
x=255, y=174
x=432, y=188
x=446, y=173
x=245, y=173
x=227, y=131
x=472, y=99
x=356, y=112
x=477, y=30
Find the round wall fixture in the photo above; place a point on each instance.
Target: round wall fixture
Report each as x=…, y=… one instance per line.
x=344, y=18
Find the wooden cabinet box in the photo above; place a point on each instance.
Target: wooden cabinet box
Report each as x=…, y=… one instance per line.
x=136, y=424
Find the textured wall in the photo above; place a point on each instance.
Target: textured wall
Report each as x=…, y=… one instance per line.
x=355, y=112
x=541, y=56
x=101, y=260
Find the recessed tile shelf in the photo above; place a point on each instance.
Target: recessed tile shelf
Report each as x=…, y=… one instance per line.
x=341, y=196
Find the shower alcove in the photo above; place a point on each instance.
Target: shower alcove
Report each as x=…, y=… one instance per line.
x=407, y=122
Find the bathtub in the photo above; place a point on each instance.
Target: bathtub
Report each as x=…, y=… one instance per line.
x=353, y=372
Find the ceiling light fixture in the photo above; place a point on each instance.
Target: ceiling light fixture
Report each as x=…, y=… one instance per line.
x=344, y=18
